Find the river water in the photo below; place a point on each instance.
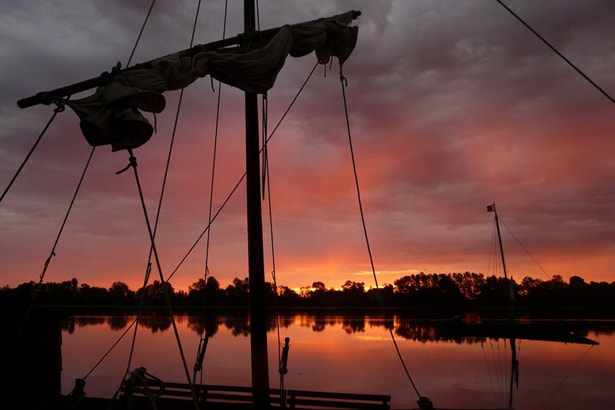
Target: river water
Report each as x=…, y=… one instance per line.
x=358, y=353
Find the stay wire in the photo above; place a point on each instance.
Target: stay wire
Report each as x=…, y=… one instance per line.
x=165, y=289
x=264, y=110
x=172, y=143
x=148, y=269
x=199, y=354
x=578, y=70
x=239, y=181
x=496, y=356
x=489, y=371
x=159, y=207
x=525, y=250
x=104, y=356
x=146, y=276
x=58, y=109
x=344, y=84
x=26, y=317
x=267, y=194
x=149, y=12
x=68, y=211
x=214, y=155
x=153, y=232
x=290, y=105
x=571, y=370
x=136, y=323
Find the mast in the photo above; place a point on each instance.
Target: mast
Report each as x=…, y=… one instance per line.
x=256, y=268
x=497, y=225
x=514, y=371
x=514, y=365
x=491, y=208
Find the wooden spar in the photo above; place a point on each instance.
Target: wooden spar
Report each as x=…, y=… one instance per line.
x=42, y=97
x=256, y=262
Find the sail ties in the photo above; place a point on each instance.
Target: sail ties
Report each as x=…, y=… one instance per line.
x=112, y=115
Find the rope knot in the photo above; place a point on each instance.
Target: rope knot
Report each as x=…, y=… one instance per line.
x=132, y=162
x=47, y=99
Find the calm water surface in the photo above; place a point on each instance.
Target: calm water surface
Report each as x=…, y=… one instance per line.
x=348, y=354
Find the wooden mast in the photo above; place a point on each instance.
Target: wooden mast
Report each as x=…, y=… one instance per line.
x=256, y=268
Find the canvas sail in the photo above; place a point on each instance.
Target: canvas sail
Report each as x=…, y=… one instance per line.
x=112, y=115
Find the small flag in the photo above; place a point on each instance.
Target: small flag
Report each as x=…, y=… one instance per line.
x=490, y=208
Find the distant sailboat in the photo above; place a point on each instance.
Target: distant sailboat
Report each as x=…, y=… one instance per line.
x=510, y=327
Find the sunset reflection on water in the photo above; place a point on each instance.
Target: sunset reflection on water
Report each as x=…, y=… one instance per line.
x=348, y=354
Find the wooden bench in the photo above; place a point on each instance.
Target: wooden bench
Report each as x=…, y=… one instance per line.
x=221, y=396
x=303, y=399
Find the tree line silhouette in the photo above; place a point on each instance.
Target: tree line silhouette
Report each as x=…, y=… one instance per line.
x=447, y=292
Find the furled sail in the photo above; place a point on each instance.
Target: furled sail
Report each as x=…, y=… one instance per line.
x=112, y=115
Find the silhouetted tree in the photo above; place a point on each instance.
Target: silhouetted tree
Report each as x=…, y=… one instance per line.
x=120, y=294
x=457, y=291
x=238, y=292
x=289, y=297
x=205, y=292
x=353, y=293
x=154, y=293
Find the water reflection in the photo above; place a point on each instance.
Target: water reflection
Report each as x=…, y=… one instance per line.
x=352, y=353
x=238, y=323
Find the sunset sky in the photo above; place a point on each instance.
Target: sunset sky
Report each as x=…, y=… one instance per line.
x=452, y=105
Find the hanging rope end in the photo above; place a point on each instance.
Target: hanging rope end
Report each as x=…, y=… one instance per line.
x=424, y=403
x=132, y=162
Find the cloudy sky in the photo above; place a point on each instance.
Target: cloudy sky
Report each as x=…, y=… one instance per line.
x=452, y=105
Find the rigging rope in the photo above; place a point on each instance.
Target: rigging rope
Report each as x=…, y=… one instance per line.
x=134, y=48
x=267, y=191
x=203, y=342
x=152, y=232
x=578, y=70
x=423, y=401
x=148, y=269
x=157, y=218
x=489, y=372
x=104, y=356
x=165, y=290
x=497, y=377
x=214, y=155
x=70, y=207
x=265, y=161
x=59, y=108
x=26, y=317
x=239, y=181
x=525, y=249
x=139, y=312
x=565, y=377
